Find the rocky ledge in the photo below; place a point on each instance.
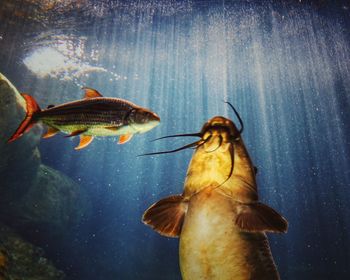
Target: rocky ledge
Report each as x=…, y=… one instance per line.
x=36, y=201
x=21, y=260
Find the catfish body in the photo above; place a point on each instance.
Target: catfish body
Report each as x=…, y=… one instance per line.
x=94, y=115
x=212, y=246
x=218, y=218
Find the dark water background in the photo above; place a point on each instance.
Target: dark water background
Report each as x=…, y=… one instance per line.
x=285, y=65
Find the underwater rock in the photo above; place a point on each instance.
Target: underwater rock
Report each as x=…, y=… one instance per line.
x=52, y=205
x=34, y=197
x=21, y=260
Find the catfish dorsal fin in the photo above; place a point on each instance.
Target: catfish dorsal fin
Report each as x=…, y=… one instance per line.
x=167, y=215
x=259, y=217
x=91, y=93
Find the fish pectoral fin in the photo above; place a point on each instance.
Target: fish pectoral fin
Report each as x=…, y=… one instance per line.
x=76, y=133
x=51, y=131
x=85, y=140
x=167, y=215
x=91, y=93
x=124, y=138
x=256, y=217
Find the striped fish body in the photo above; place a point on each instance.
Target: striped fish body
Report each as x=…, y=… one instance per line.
x=94, y=115
x=99, y=116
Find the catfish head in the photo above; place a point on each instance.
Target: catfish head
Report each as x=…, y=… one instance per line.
x=220, y=160
x=218, y=134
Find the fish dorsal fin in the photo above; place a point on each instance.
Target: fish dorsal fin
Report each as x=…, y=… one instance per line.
x=167, y=215
x=124, y=138
x=85, y=140
x=91, y=93
x=259, y=217
x=51, y=131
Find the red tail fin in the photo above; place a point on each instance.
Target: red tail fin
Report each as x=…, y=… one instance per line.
x=28, y=122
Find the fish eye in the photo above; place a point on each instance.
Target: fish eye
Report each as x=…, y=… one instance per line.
x=142, y=116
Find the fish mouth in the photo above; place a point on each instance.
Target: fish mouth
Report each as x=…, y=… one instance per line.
x=154, y=117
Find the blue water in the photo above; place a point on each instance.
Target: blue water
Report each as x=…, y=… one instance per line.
x=285, y=67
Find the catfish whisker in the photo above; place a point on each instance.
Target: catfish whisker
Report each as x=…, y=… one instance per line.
x=194, y=144
x=232, y=166
x=220, y=143
x=201, y=144
x=179, y=135
x=237, y=115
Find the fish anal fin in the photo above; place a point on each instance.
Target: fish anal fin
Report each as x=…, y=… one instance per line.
x=167, y=215
x=76, y=133
x=258, y=217
x=51, y=131
x=85, y=140
x=91, y=93
x=124, y=138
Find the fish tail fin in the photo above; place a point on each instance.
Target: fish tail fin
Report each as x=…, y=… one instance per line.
x=167, y=215
x=29, y=121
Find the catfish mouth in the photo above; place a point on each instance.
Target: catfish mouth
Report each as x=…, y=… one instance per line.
x=218, y=126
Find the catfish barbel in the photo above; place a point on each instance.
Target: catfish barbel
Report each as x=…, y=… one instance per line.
x=220, y=222
x=92, y=116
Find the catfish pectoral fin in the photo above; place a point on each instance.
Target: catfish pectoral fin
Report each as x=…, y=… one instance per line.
x=85, y=140
x=51, y=131
x=124, y=138
x=259, y=217
x=167, y=215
